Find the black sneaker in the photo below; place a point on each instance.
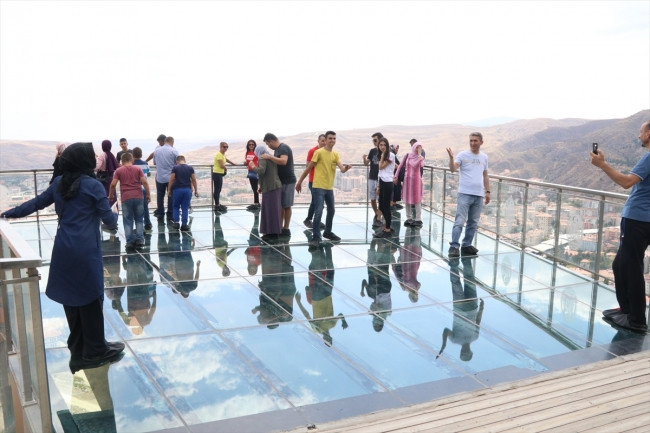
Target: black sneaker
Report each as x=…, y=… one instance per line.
x=331, y=236
x=148, y=227
x=286, y=232
x=469, y=250
x=222, y=208
x=382, y=235
x=112, y=350
x=453, y=252
x=611, y=312
x=139, y=243
x=185, y=228
x=308, y=223
x=175, y=225
x=409, y=223
x=417, y=224
x=129, y=247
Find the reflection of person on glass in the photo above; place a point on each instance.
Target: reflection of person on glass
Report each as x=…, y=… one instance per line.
x=253, y=251
x=319, y=294
x=91, y=404
x=186, y=278
x=76, y=277
x=220, y=244
x=140, y=294
x=378, y=285
x=278, y=287
x=410, y=255
x=467, y=311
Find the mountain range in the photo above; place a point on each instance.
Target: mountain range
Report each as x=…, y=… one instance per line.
x=548, y=150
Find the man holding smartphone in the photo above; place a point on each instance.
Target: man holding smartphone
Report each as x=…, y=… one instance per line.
x=634, y=239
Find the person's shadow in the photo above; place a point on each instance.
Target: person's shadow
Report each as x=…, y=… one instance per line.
x=468, y=310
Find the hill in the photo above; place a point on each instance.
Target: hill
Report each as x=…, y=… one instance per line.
x=555, y=151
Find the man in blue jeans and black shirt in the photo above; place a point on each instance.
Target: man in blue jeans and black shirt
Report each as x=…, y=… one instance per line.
x=634, y=239
x=473, y=189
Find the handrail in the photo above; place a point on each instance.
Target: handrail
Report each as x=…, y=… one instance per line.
x=27, y=372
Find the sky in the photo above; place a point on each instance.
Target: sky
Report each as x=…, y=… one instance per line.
x=79, y=71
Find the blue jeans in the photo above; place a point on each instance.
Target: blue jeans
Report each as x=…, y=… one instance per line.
x=310, y=211
x=161, y=192
x=145, y=203
x=133, y=210
x=181, y=198
x=319, y=197
x=468, y=211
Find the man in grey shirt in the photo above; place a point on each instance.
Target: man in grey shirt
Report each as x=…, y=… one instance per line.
x=164, y=157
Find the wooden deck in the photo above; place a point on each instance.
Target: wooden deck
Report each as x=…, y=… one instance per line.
x=608, y=396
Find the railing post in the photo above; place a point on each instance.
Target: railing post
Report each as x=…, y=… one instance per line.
x=498, y=231
x=35, y=194
x=558, y=211
x=599, y=239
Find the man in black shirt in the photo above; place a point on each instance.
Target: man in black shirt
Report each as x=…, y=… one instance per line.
x=283, y=158
x=372, y=159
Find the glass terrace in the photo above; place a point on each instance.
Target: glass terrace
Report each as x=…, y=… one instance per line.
x=227, y=333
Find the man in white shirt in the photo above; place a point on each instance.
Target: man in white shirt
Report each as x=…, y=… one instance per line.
x=473, y=191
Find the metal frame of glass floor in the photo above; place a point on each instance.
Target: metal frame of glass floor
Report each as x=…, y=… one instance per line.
x=228, y=333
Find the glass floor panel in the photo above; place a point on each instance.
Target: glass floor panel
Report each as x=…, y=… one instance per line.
x=227, y=333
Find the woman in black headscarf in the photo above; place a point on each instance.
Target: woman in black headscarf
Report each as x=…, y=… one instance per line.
x=76, y=278
x=105, y=167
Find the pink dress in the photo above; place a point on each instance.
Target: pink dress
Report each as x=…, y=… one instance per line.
x=412, y=188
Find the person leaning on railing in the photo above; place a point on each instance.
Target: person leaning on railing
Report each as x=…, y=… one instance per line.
x=76, y=278
x=634, y=239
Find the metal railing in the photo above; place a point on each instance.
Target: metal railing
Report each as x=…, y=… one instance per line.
x=577, y=227
x=22, y=348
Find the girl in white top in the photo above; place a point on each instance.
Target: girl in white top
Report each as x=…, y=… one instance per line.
x=386, y=173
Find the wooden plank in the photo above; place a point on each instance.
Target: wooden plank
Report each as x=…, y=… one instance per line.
x=608, y=394
x=543, y=417
x=521, y=405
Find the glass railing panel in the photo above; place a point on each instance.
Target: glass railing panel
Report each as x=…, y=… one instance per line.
x=508, y=198
x=610, y=239
x=578, y=225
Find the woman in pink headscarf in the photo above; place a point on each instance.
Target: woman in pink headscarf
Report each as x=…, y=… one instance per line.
x=56, y=165
x=412, y=190
x=106, y=166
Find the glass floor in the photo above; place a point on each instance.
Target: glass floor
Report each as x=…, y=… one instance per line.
x=226, y=333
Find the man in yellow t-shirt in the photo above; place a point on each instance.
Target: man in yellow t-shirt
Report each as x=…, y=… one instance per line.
x=218, y=172
x=324, y=162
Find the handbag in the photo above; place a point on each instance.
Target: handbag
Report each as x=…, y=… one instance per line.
x=102, y=176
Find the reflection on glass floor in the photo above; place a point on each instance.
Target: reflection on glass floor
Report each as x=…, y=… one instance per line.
x=225, y=333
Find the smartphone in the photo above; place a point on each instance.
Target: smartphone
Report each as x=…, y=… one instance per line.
x=595, y=148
